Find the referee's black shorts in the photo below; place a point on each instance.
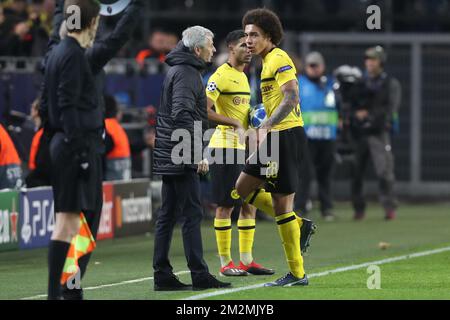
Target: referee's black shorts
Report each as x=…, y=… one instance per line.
x=224, y=177
x=281, y=176
x=71, y=192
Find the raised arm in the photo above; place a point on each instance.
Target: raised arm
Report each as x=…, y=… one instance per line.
x=105, y=49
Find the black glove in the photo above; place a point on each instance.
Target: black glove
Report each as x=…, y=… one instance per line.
x=80, y=151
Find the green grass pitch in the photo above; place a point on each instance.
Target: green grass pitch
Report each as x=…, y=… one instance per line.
x=419, y=228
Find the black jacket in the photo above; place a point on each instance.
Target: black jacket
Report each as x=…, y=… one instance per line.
x=382, y=98
x=183, y=101
x=70, y=91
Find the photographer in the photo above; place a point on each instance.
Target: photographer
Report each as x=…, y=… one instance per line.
x=370, y=128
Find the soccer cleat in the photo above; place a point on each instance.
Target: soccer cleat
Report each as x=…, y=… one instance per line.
x=255, y=269
x=306, y=231
x=289, y=280
x=230, y=270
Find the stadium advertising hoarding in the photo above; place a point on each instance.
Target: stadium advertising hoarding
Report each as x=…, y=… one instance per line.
x=27, y=218
x=9, y=220
x=37, y=217
x=133, y=208
x=106, y=228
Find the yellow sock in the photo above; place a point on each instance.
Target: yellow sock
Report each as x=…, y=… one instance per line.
x=223, y=238
x=262, y=200
x=290, y=236
x=246, y=229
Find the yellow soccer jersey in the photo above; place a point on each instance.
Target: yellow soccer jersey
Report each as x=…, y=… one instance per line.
x=278, y=69
x=230, y=91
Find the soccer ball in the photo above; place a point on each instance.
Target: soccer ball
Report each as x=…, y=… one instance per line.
x=257, y=116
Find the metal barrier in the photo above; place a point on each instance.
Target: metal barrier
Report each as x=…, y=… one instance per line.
x=421, y=62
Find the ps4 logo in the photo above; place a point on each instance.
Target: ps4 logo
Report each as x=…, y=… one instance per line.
x=38, y=219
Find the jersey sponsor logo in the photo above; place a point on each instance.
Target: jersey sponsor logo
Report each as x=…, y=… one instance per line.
x=238, y=100
x=211, y=87
x=285, y=68
x=267, y=88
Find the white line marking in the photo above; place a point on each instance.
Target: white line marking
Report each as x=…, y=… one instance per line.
x=106, y=285
x=324, y=273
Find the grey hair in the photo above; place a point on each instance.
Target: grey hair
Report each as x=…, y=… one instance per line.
x=196, y=36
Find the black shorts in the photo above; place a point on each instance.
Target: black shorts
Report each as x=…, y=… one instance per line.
x=224, y=177
x=281, y=176
x=71, y=192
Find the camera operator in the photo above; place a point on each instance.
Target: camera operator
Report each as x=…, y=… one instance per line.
x=370, y=128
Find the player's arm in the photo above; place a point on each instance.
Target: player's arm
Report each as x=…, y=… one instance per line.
x=287, y=105
x=104, y=50
x=69, y=92
x=221, y=119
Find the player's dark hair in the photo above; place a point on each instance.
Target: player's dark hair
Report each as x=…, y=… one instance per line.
x=89, y=10
x=268, y=21
x=111, y=107
x=234, y=36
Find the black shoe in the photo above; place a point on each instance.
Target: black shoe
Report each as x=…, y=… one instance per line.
x=306, y=231
x=288, y=280
x=72, y=294
x=169, y=283
x=208, y=281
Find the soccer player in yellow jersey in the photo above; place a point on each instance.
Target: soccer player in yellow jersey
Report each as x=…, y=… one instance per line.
x=228, y=91
x=280, y=96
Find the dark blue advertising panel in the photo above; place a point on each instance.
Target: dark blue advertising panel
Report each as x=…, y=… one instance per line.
x=38, y=220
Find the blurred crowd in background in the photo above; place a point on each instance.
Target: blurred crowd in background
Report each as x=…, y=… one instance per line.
x=25, y=24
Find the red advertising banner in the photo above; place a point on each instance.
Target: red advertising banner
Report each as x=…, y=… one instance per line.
x=106, y=228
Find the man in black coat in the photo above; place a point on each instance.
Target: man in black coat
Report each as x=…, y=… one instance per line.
x=182, y=109
x=98, y=54
x=76, y=121
x=371, y=128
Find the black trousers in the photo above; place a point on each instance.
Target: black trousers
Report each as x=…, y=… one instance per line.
x=319, y=160
x=378, y=148
x=180, y=198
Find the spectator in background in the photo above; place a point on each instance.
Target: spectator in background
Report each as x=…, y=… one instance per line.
x=10, y=170
x=39, y=162
x=160, y=43
x=118, y=156
x=318, y=105
x=24, y=28
x=371, y=127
